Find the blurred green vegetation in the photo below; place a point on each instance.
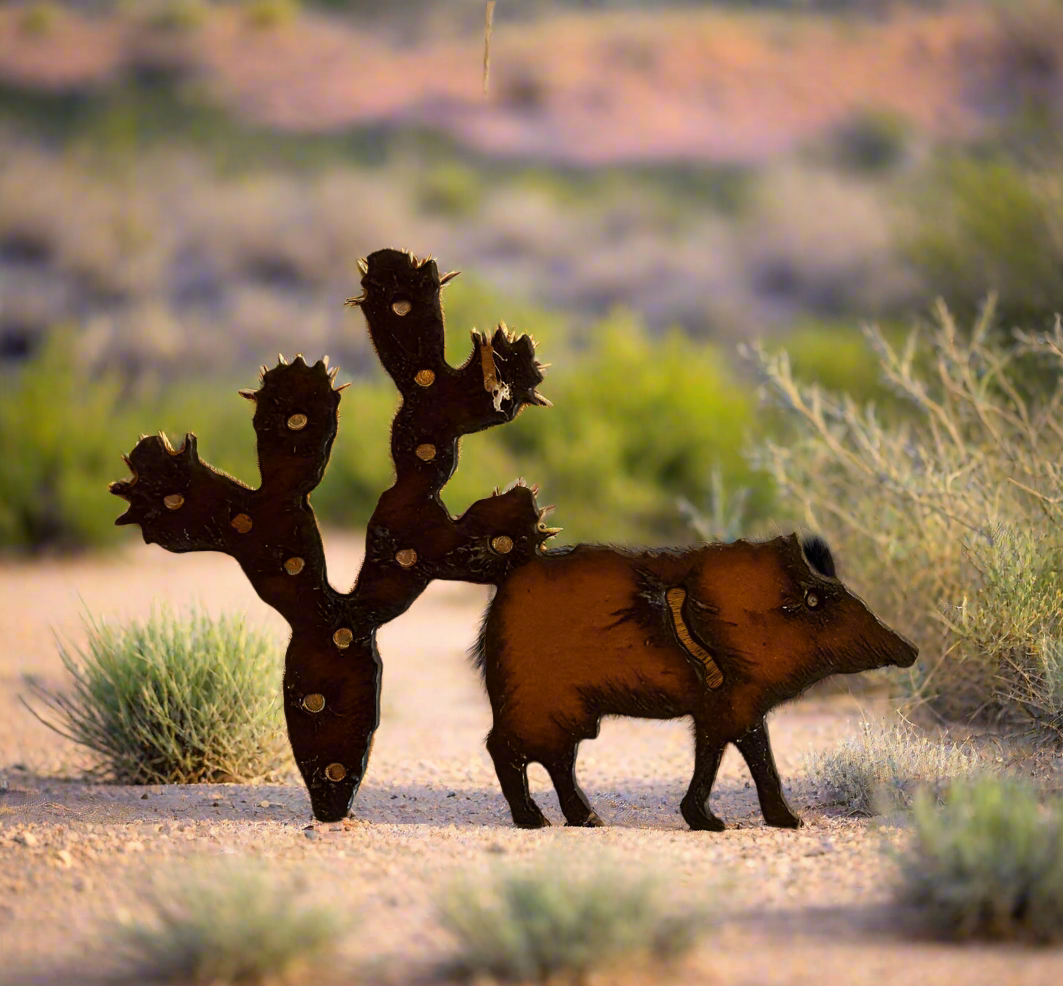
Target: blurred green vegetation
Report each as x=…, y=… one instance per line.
x=638, y=421
x=991, y=224
x=643, y=419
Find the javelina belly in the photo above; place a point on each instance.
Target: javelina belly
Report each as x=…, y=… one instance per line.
x=722, y=633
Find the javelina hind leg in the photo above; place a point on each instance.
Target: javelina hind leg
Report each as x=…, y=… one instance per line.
x=574, y=803
x=707, y=756
x=756, y=750
x=512, y=771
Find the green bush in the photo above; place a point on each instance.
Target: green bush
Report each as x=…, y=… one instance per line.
x=172, y=701
x=987, y=865
x=271, y=14
x=989, y=225
x=225, y=923
x=637, y=422
x=870, y=141
x=60, y=435
x=38, y=20
x=881, y=770
x=949, y=515
x=178, y=16
x=549, y=924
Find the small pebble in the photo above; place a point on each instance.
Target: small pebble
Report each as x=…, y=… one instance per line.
x=27, y=839
x=263, y=804
x=65, y=858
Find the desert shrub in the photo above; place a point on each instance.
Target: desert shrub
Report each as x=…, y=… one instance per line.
x=177, y=16
x=1028, y=52
x=451, y=189
x=882, y=769
x=224, y=923
x=637, y=422
x=870, y=140
x=269, y=14
x=172, y=700
x=59, y=441
x=63, y=431
x=950, y=514
x=551, y=924
x=987, y=865
x=725, y=514
x=991, y=225
x=39, y=19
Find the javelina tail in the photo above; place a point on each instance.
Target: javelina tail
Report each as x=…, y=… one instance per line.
x=478, y=651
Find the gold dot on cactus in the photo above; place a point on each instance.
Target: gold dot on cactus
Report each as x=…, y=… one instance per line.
x=174, y=501
x=426, y=452
x=314, y=702
x=241, y=523
x=425, y=378
x=293, y=566
x=335, y=772
x=401, y=307
x=407, y=558
x=342, y=638
x=502, y=544
x=297, y=422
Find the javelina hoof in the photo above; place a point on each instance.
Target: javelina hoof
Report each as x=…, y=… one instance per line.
x=699, y=819
x=530, y=821
x=592, y=821
x=784, y=821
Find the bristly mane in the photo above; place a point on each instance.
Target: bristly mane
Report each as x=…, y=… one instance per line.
x=478, y=651
x=819, y=556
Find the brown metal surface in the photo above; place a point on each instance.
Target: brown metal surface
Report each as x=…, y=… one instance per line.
x=183, y=504
x=721, y=632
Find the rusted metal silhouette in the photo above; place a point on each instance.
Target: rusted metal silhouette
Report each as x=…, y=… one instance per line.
x=332, y=667
x=722, y=633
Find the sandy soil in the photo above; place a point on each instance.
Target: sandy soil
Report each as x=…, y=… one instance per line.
x=797, y=907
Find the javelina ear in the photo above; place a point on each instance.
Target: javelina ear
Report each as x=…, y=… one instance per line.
x=819, y=556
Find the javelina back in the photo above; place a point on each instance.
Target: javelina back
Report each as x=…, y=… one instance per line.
x=722, y=633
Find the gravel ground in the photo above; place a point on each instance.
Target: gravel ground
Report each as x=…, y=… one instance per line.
x=810, y=906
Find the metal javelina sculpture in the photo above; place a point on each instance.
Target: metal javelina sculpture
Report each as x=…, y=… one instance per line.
x=722, y=633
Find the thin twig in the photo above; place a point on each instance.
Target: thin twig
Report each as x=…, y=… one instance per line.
x=488, y=21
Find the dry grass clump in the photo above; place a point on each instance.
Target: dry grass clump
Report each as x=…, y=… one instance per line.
x=882, y=769
x=172, y=701
x=950, y=509
x=230, y=923
x=987, y=865
x=550, y=924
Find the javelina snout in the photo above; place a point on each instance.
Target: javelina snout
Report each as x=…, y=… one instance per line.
x=847, y=634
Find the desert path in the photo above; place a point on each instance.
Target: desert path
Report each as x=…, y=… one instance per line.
x=795, y=907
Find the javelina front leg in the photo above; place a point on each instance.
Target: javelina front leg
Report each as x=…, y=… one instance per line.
x=512, y=771
x=574, y=804
x=755, y=748
x=707, y=756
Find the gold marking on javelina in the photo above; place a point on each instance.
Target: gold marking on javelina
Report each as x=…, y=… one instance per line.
x=713, y=674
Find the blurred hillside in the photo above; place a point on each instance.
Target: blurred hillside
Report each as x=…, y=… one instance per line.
x=186, y=187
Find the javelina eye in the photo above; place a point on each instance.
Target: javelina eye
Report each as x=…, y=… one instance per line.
x=811, y=600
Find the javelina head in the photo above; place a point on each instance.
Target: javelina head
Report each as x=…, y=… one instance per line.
x=779, y=608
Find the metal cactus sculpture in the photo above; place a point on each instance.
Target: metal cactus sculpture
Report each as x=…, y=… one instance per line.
x=332, y=668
